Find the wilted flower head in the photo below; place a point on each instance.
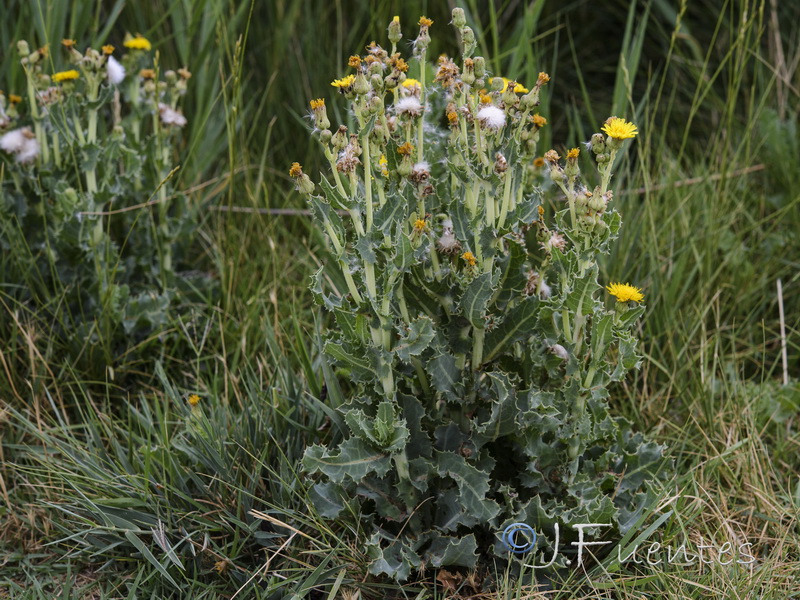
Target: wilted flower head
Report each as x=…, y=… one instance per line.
x=492, y=117
x=408, y=106
x=22, y=143
x=170, y=116
x=114, y=70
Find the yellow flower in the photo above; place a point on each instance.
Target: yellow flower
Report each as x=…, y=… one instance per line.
x=344, y=82
x=539, y=120
x=625, y=292
x=542, y=79
x=396, y=19
x=573, y=153
x=619, y=129
x=14, y=99
x=67, y=43
x=425, y=22
x=518, y=88
x=539, y=163
x=139, y=42
x=317, y=104
x=65, y=75
x=406, y=149
x=470, y=258
x=108, y=49
x=420, y=224
x=383, y=162
x=194, y=399
x=410, y=82
x=355, y=61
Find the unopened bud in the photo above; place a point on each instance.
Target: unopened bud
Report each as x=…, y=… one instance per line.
x=480, y=67
x=598, y=143
x=395, y=34
x=468, y=42
x=23, y=49
x=459, y=20
x=339, y=139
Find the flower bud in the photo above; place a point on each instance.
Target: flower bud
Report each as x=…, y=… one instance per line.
x=303, y=181
x=23, y=49
x=598, y=144
x=376, y=81
x=339, y=139
x=468, y=42
x=361, y=85
x=375, y=105
x=468, y=72
x=480, y=67
x=320, y=114
x=459, y=20
x=325, y=136
x=395, y=34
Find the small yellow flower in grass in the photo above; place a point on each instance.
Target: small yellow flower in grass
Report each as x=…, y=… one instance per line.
x=469, y=257
x=383, y=162
x=68, y=43
x=317, y=104
x=619, y=129
x=14, y=99
x=410, y=82
x=425, y=22
x=65, y=75
x=108, y=49
x=193, y=399
x=344, y=82
x=573, y=153
x=138, y=42
x=625, y=292
x=420, y=224
x=539, y=121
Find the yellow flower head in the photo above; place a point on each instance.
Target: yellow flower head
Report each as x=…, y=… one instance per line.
x=14, y=99
x=542, y=79
x=383, y=162
x=470, y=258
x=396, y=19
x=194, y=399
x=317, y=104
x=355, y=61
x=65, y=75
x=67, y=43
x=108, y=49
x=296, y=170
x=518, y=87
x=625, y=292
x=619, y=129
x=573, y=153
x=344, y=82
x=486, y=99
x=425, y=22
x=452, y=118
x=420, y=224
x=539, y=120
x=538, y=162
x=138, y=42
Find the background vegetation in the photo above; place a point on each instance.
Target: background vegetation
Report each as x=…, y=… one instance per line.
x=117, y=488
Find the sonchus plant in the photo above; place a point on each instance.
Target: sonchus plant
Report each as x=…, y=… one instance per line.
x=86, y=204
x=472, y=323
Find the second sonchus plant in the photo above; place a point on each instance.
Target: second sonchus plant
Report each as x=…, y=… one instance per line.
x=470, y=316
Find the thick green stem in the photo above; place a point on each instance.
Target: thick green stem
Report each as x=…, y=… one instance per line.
x=351, y=284
x=367, y=181
x=477, y=347
x=506, y=200
x=423, y=96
